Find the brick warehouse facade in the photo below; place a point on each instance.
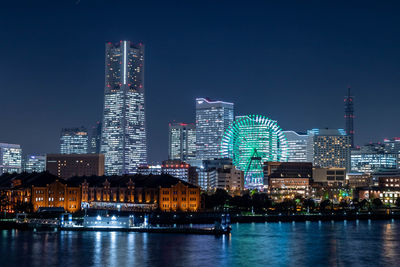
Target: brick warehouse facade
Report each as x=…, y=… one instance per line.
x=138, y=192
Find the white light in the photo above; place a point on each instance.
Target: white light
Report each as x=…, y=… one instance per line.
x=124, y=62
x=113, y=218
x=98, y=218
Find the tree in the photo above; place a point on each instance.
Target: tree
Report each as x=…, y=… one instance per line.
x=398, y=202
x=309, y=204
x=325, y=203
x=364, y=204
x=377, y=203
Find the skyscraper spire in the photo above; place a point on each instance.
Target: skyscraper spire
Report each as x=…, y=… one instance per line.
x=349, y=116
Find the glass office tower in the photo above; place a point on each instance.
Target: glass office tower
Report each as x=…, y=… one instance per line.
x=10, y=158
x=297, y=146
x=182, y=141
x=35, y=163
x=74, y=141
x=124, y=131
x=212, y=120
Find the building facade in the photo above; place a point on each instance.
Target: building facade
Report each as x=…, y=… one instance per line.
x=74, y=141
x=330, y=176
x=372, y=161
x=297, y=146
x=95, y=139
x=226, y=177
x=349, y=116
x=10, y=158
x=182, y=141
x=212, y=120
x=124, y=129
x=328, y=148
x=67, y=166
x=35, y=163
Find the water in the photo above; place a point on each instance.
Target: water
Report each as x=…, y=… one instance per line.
x=273, y=244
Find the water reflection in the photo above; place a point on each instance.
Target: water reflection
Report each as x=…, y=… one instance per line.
x=283, y=244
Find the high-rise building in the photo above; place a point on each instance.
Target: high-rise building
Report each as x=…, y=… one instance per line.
x=212, y=120
x=329, y=148
x=297, y=146
x=74, y=141
x=392, y=146
x=182, y=141
x=370, y=158
x=10, y=158
x=35, y=163
x=95, y=139
x=66, y=166
x=349, y=116
x=124, y=132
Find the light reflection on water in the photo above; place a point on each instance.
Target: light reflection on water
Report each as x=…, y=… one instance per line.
x=289, y=244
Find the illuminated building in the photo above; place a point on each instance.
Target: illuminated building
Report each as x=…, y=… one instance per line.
x=330, y=176
x=182, y=141
x=149, y=169
x=349, y=116
x=329, y=148
x=124, y=130
x=288, y=179
x=74, y=141
x=35, y=163
x=212, y=120
x=355, y=180
x=95, y=139
x=180, y=170
x=370, y=161
x=297, y=146
x=10, y=158
x=250, y=141
x=392, y=146
x=66, y=166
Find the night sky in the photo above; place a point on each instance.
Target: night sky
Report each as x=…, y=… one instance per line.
x=289, y=60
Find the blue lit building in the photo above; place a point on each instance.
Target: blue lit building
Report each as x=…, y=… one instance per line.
x=10, y=158
x=124, y=129
x=35, y=163
x=297, y=146
x=212, y=120
x=371, y=158
x=74, y=141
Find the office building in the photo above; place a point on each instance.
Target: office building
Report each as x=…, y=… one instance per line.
x=329, y=148
x=124, y=129
x=330, y=176
x=149, y=169
x=182, y=141
x=10, y=158
x=349, y=116
x=357, y=179
x=212, y=120
x=180, y=169
x=297, y=146
x=74, y=141
x=367, y=160
x=95, y=139
x=35, y=163
x=68, y=165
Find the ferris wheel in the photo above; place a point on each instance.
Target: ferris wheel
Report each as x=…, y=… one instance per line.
x=250, y=141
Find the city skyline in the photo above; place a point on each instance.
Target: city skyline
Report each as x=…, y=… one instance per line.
x=278, y=66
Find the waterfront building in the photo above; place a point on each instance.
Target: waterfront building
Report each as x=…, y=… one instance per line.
x=329, y=148
x=288, y=179
x=206, y=167
x=124, y=193
x=297, y=146
x=10, y=158
x=124, y=129
x=35, y=163
x=69, y=165
x=182, y=141
x=349, y=116
x=226, y=177
x=212, y=120
x=368, y=160
x=358, y=179
x=329, y=176
x=74, y=141
x=95, y=139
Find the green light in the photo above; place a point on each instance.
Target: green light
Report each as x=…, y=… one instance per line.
x=250, y=141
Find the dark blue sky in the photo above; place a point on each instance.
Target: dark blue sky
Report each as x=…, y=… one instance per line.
x=288, y=60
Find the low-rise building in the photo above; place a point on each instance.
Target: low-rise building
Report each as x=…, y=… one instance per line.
x=330, y=176
x=357, y=179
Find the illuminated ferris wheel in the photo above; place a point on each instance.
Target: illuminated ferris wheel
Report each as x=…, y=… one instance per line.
x=250, y=141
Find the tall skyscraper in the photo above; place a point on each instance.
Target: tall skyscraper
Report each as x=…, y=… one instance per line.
x=95, y=139
x=124, y=131
x=349, y=116
x=74, y=141
x=297, y=146
x=182, y=141
x=329, y=148
x=212, y=120
x=10, y=158
x=35, y=163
